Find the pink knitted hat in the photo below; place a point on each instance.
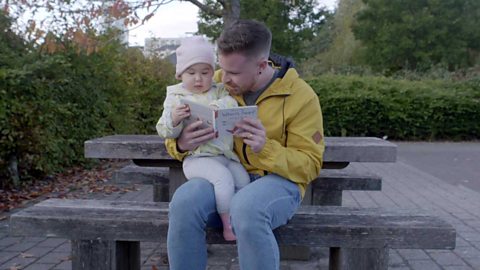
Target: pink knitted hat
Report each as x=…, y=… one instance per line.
x=194, y=50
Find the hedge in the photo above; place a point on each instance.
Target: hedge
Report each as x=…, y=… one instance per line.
x=51, y=103
x=399, y=109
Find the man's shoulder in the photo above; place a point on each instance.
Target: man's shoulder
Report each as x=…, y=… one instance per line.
x=297, y=84
x=217, y=76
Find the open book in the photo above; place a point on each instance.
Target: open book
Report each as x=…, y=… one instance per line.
x=222, y=120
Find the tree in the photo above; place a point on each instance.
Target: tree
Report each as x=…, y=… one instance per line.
x=292, y=22
x=416, y=35
x=77, y=20
x=339, y=49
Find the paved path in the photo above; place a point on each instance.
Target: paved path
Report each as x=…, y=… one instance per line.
x=404, y=186
x=455, y=163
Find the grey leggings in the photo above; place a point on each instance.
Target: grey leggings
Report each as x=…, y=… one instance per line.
x=226, y=175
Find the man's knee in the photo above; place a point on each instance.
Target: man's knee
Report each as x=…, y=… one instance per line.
x=190, y=195
x=246, y=215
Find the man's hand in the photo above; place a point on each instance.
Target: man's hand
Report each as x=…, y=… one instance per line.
x=191, y=136
x=253, y=133
x=179, y=113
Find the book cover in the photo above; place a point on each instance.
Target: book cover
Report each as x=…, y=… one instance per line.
x=222, y=120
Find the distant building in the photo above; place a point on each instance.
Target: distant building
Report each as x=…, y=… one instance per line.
x=161, y=47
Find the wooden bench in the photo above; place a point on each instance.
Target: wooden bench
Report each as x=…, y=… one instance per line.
x=149, y=151
x=325, y=190
x=107, y=234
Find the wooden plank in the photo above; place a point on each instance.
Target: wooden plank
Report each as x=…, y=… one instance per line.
x=311, y=226
x=132, y=174
x=346, y=179
x=151, y=147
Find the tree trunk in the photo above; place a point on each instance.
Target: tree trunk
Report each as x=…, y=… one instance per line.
x=13, y=170
x=231, y=12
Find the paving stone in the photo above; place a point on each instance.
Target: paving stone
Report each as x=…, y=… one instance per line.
x=9, y=241
x=37, y=251
x=55, y=257
x=67, y=265
x=470, y=236
x=460, y=242
x=7, y=255
x=467, y=251
x=65, y=247
x=456, y=267
x=476, y=244
x=413, y=254
x=38, y=266
x=394, y=259
x=18, y=262
x=423, y=265
x=473, y=262
x=446, y=258
x=21, y=247
x=52, y=242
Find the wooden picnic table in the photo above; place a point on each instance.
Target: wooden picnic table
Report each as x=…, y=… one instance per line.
x=149, y=151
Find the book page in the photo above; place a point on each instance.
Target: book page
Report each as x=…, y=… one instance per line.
x=227, y=118
x=199, y=111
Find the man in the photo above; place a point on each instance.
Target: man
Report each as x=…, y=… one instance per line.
x=282, y=151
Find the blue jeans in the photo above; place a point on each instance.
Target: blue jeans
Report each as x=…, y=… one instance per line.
x=256, y=210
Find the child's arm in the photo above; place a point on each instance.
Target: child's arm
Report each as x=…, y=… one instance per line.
x=165, y=126
x=179, y=113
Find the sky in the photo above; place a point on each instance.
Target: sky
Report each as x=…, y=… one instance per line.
x=177, y=19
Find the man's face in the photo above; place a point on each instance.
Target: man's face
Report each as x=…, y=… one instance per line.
x=240, y=72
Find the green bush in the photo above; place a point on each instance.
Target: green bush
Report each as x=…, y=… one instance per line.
x=51, y=103
x=146, y=80
x=399, y=109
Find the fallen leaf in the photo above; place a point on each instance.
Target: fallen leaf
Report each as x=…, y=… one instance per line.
x=15, y=267
x=68, y=258
x=26, y=255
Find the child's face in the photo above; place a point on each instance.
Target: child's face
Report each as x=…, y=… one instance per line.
x=198, y=78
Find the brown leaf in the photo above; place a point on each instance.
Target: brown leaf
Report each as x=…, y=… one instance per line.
x=68, y=258
x=26, y=255
x=15, y=267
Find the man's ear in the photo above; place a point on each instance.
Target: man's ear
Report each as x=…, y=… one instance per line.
x=263, y=64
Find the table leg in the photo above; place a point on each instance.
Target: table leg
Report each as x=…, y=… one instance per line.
x=177, y=178
x=358, y=258
x=127, y=255
x=93, y=254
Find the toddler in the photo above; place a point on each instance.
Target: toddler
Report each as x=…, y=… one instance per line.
x=215, y=160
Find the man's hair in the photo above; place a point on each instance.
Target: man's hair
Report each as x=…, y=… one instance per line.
x=249, y=37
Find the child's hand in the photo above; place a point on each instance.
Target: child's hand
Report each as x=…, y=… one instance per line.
x=179, y=113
